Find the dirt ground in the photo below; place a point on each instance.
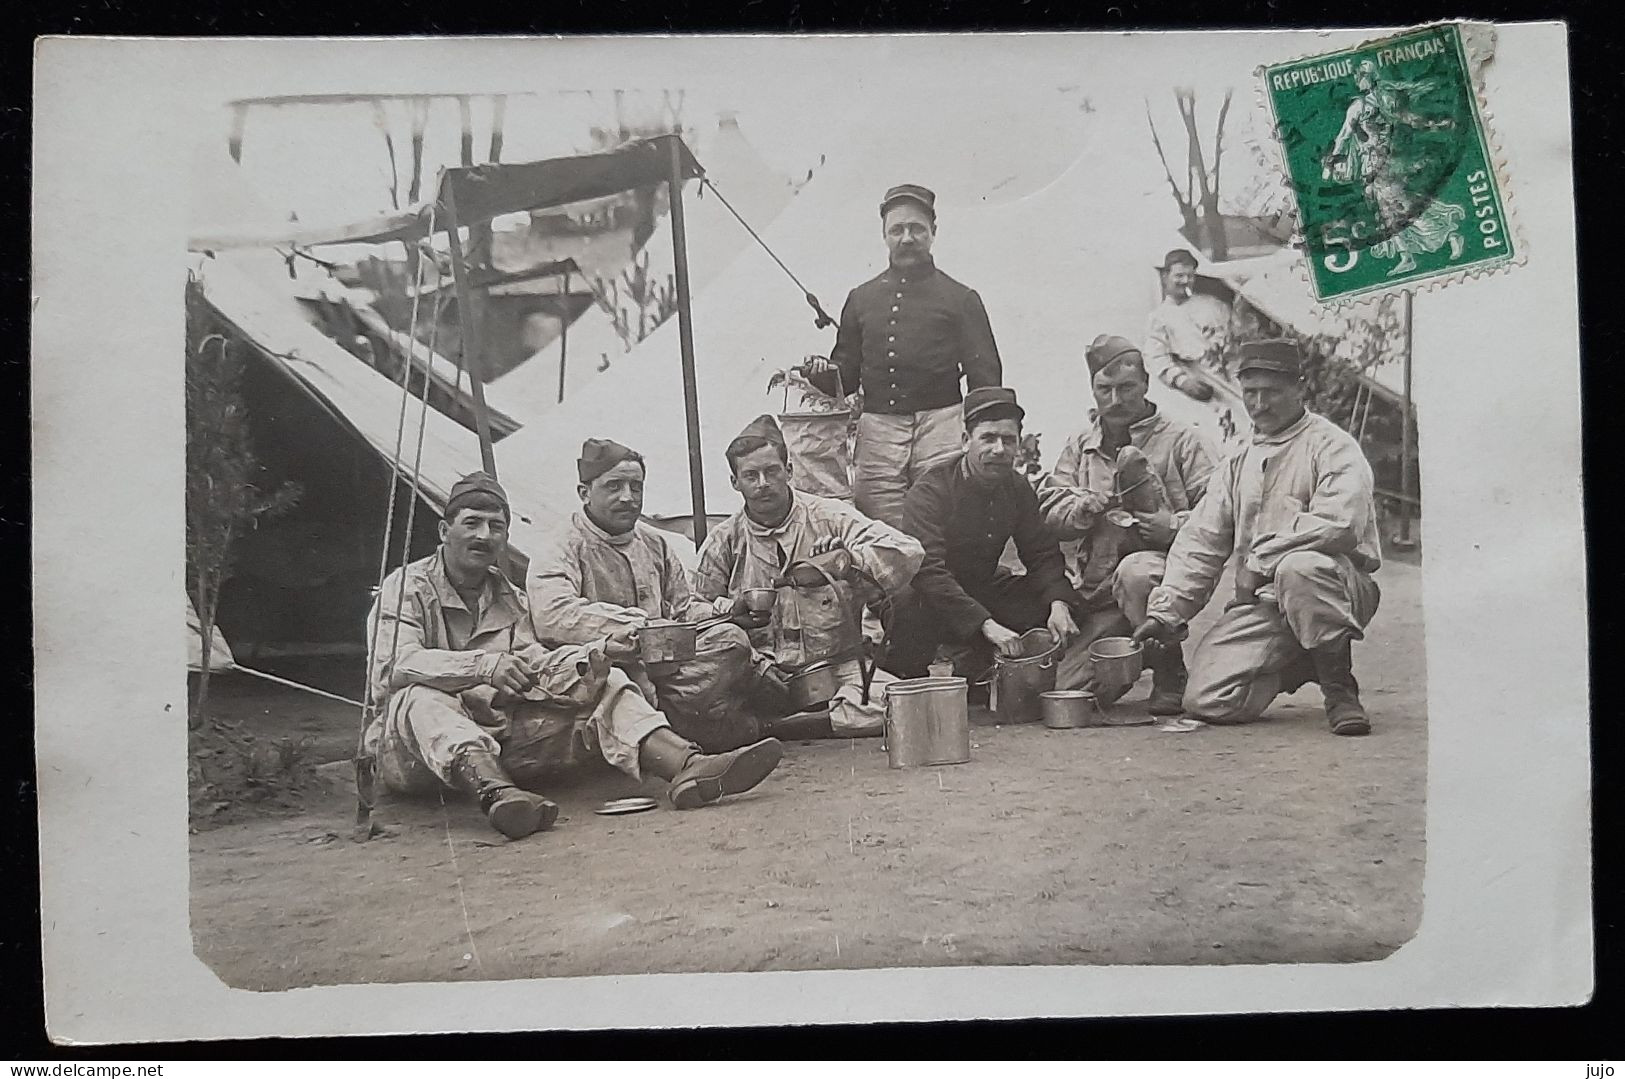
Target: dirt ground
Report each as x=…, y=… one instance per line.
x=1274, y=842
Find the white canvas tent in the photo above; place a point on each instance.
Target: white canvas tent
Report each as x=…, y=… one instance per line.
x=220, y=657
x=369, y=403
x=1031, y=245
x=229, y=209
x=1277, y=285
x=592, y=344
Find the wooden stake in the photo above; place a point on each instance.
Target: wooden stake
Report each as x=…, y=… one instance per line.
x=470, y=325
x=685, y=336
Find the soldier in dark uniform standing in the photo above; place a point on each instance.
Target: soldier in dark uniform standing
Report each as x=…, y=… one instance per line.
x=906, y=339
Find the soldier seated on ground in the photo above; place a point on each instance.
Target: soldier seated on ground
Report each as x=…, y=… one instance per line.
x=609, y=574
x=1295, y=507
x=469, y=699
x=780, y=532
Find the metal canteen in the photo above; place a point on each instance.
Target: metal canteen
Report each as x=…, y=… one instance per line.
x=1018, y=680
x=927, y=722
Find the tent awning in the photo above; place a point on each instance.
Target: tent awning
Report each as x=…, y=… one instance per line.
x=483, y=192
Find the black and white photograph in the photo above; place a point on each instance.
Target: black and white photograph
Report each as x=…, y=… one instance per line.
x=739, y=505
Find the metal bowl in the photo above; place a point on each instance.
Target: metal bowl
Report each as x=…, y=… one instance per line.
x=760, y=600
x=815, y=684
x=1118, y=661
x=1067, y=709
x=1121, y=518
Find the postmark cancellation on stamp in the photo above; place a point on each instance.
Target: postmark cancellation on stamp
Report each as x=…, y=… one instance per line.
x=1388, y=159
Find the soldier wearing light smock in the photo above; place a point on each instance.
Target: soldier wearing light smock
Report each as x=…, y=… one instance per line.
x=609, y=574
x=1295, y=507
x=780, y=526
x=1117, y=496
x=469, y=699
x=1186, y=330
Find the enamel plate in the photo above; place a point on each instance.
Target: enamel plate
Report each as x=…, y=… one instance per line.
x=617, y=806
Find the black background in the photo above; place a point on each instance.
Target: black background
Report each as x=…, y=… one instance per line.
x=1588, y=1032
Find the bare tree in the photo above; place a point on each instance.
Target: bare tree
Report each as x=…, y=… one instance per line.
x=1198, y=201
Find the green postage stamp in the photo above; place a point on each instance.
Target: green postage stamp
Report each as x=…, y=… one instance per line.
x=1389, y=162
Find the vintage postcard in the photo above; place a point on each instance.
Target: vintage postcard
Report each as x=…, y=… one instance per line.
x=684, y=531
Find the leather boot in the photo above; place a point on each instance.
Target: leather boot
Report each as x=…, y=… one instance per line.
x=1334, y=670
x=1168, y=678
x=513, y=812
x=1299, y=672
x=698, y=778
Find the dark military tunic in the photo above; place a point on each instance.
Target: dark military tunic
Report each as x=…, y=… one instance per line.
x=906, y=338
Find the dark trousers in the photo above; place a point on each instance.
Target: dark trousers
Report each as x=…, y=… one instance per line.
x=918, y=628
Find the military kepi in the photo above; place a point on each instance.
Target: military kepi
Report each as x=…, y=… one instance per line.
x=992, y=403
x=923, y=196
x=1177, y=257
x=599, y=455
x=470, y=486
x=1106, y=349
x=1280, y=355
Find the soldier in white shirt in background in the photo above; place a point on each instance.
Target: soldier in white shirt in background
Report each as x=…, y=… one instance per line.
x=1187, y=329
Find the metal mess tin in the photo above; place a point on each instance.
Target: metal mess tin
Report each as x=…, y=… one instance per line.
x=1068, y=709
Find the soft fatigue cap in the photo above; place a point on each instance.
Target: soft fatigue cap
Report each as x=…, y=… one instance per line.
x=1178, y=256
x=992, y=403
x=1105, y=349
x=599, y=455
x=1280, y=355
x=471, y=485
x=923, y=196
x=763, y=426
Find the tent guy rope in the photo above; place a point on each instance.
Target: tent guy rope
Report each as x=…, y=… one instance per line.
x=821, y=317
x=364, y=765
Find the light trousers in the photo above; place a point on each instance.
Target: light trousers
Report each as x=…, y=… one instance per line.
x=1237, y=669
x=892, y=452
x=425, y=730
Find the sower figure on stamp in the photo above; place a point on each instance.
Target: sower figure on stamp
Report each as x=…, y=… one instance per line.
x=1119, y=493
x=964, y=512
x=781, y=527
x=906, y=338
x=1364, y=152
x=608, y=574
x=469, y=699
x=1186, y=330
x=1295, y=507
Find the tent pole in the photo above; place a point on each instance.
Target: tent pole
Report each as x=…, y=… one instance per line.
x=1405, y=430
x=470, y=324
x=564, y=331
x=685, y=336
